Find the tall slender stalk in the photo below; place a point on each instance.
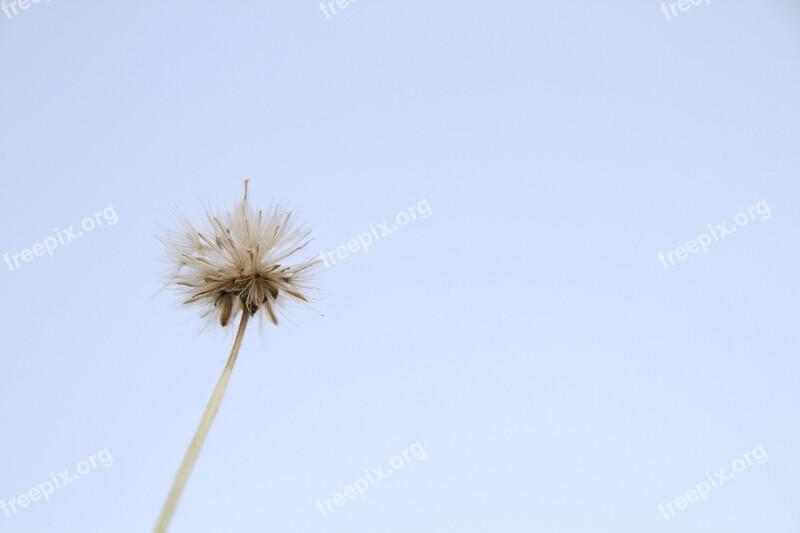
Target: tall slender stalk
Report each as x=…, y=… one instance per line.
x=202, y=431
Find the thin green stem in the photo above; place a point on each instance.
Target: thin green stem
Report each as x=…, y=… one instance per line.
x=202, y=431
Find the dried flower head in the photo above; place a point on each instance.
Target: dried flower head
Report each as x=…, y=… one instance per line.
x=236, y=261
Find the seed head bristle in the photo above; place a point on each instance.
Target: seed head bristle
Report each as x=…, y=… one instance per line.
x=236, y=262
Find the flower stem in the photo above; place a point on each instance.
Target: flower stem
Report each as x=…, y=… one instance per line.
x=202, y=431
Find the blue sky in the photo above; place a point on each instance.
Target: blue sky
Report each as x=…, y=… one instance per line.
x=525, y=334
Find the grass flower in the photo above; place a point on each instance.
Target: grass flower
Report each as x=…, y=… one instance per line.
x=235, y=264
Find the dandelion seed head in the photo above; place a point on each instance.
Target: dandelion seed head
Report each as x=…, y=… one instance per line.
x=239, y=261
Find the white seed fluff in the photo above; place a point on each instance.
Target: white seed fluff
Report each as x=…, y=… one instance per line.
x=235, y=261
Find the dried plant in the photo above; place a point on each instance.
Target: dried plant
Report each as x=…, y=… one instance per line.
x=232, y=265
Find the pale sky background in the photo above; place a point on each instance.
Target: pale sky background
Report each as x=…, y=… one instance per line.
x=559, y=378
